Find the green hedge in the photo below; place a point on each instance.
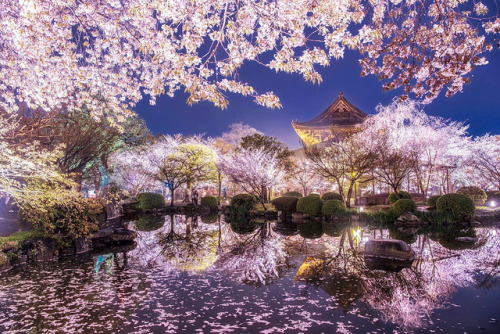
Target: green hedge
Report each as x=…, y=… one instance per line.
x=315, y=195
x=477, y=194
x=286, y=204
x=332, y=195
x=210, y=201
x=310, y=205
x=404, y=205
x=433, y=200
x=401, y=195
x=293, y=194
x=333, y=207
x=243, y=201
x=150, y=201
x=459, y=206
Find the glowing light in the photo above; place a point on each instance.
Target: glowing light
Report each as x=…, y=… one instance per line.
x=356, y=233
x=492, y=204
x=361, y=209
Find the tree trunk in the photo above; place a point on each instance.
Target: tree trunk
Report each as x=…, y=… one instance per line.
x=172, y=196
x=220, y=187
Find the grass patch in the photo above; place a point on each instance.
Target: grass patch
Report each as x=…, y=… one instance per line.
x=24, y=235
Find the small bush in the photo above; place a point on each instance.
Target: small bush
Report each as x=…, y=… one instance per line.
x=150, y=201
x=459, y=206
x=310, y=205
x=404, y=205
x=401, y=195
x=477, y=194
x=286, y=204
x=433, y=200
x=333, y=207
x=243, y=202
x=331, y=195
x=314, y=195
x=210, y=201
x=383, y=217
x=293, y=194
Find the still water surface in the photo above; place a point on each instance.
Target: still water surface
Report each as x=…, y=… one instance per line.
x=207, y=275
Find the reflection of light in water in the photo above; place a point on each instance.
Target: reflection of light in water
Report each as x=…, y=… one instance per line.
x=356, y=233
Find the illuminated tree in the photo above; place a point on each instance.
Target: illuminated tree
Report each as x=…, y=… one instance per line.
x=58, y=54
x=486, y=159
x=344, y=163
x=253, y=170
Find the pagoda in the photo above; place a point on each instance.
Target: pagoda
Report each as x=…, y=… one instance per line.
x=339, y=120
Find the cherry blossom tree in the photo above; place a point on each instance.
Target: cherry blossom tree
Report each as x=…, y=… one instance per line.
x=96, y=53
x=254, y=170
x=345, y=163
x=486, y=159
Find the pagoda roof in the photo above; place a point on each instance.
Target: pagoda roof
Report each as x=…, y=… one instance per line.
x=340, y=113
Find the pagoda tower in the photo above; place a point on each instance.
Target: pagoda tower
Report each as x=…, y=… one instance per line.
x=339, y=120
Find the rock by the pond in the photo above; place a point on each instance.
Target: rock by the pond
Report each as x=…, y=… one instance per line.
x=43, y=249
x=112, y=237
x=4, y=261
x=408, y=219
x=389, y=249
x=82, y=245
x=9, y=246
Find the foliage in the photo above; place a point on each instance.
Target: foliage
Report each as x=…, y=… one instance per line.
x=381, y=216
x=210, y=219
x=310, y=205
x=486, y=159
x=434, y=217
x=242, y=226
x=150, y=201
x=393, y=197
x=56, y=210
x=459, y=206
x=199, y=47
x=331, y=195
x=293, y=194
x=209, y=201
x=433, y=200
x=404, y=205
x=477, y=194
x=333, y=207
x=287, y=204
x=269, y=145
x=314, y=195
x=245, y=201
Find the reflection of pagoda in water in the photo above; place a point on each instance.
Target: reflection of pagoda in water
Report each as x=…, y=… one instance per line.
x=340, y=119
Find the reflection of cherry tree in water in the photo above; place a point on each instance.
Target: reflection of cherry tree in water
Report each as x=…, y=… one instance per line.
x=255, y=258
x=409, y=297
x=194, y=248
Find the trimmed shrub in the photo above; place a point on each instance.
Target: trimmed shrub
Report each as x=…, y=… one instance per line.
x=477, y=194
x=333, y=207
x=401, y=195
x=433, y=200
x=293, y=194
x=150, y=201
x=332, y=195
x=243, y=201
x=210, y=201
x=404, y=205
x=314, y=195
x=210, y=219
x=286, y=204
x=459, y=206
x=310, y=205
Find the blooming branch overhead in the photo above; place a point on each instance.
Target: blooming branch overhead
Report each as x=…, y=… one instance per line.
x=69, y=53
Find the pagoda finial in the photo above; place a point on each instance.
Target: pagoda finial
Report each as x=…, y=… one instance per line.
x=341, y=94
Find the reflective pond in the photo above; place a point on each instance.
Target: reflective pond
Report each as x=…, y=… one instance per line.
x=205, y=274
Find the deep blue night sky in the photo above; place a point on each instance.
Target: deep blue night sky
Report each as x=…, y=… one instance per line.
x=478, y=105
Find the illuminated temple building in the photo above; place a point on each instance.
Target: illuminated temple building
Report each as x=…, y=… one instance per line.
x=339, y=120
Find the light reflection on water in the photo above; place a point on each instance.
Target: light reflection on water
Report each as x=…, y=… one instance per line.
x=204, y=274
